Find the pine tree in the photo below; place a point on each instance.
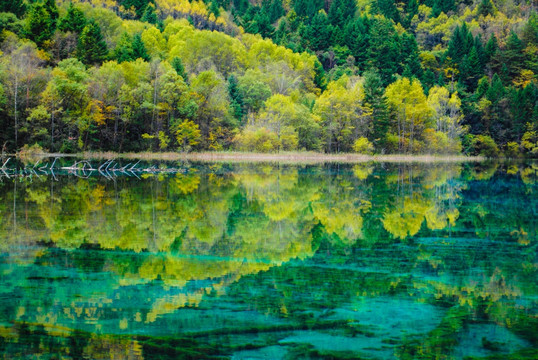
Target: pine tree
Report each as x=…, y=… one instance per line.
x=237, y=103
x=139, y=49
x=177, y=64
x=16, y=7
x=214, y=8
x=530, y=30
x=319, y=32
x=374, y=97
x=320, y=77
x=149, y=14
x=486, y=8
x=357, y=39
x=496, y=89
x=91, y=48
x=341, y=11
x=39, y=25
x=124, y=49
x=73, y=21
x=512, y=58
x=409, y=51
x=411, y=10
x=471, y=70
x=387, y=8
x=52, y=9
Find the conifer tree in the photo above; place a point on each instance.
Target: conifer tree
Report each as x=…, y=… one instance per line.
x=177, y=64
x=374, y=97
x=39, y=24
x=73, y=21
x=16, y=7
x=139, y=49
x=486, y=8
x=237, y=98
x=52, y=9
x=149, y=14
x=91, y=47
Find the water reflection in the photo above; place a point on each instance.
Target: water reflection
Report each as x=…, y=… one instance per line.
x=376, y=260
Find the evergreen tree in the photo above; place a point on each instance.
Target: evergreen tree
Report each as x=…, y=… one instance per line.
x=513, y=53
x=139, y=5
x=530, y=30
x=91, y=47
x=139, y=49
x=214, y=8
x=240, y=7
x=177, y=64
x=409, y=51
x=274, y=10
x=320, y=78
x=52, y=9
x=357, y=38
x=490, y=51
x=39, y=25
x=73, y=21
x=444, y=6
x=319, y=32
x=374, y=97
x=384, y=50
x=496, y=90
x=411, y=10
x=149, y=15
x=471, y=69
x=237, y=103
x=486, y=8
x=341, y=11
x=124, y=49
x=16, y=7
x=387, y=8
x=307, y=8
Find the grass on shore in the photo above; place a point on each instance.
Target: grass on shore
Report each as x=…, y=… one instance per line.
x=289, y=157
x=234, y=156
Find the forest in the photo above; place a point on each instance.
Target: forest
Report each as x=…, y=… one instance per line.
x=332, y=76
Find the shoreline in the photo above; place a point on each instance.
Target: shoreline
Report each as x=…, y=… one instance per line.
x=283, y=157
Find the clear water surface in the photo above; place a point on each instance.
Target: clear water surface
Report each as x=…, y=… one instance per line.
x=246, y=261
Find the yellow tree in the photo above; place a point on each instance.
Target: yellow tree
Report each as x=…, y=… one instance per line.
x=411, y=110
x=447, y=116
x=343, y=116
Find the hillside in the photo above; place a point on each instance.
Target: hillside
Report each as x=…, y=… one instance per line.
x=416, y=76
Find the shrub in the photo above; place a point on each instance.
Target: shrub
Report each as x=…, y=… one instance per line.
x=260, y=140
x=484, y=145
x=512, y=150
x=363, y=146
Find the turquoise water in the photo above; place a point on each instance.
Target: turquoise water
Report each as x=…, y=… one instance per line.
x=245, y=261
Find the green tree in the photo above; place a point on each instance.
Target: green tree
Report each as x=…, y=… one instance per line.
x=39, y=24
x=236, y=97
x=74, y=20
x=374, y=97
x=177, y=64
x=52, y=9
x=91, y=47
x=16, y=7
x=486, y=8
x=318, y=34
x=149, y=14
x=341, y=11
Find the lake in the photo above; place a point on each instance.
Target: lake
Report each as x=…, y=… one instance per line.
x=269, y=261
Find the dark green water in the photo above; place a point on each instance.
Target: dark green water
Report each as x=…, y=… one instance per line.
x=372, y=261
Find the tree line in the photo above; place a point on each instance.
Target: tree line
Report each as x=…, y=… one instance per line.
x=331, y=76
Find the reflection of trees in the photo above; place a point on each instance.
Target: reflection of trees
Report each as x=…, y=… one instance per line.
x=213, y=232
x=423, y=193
